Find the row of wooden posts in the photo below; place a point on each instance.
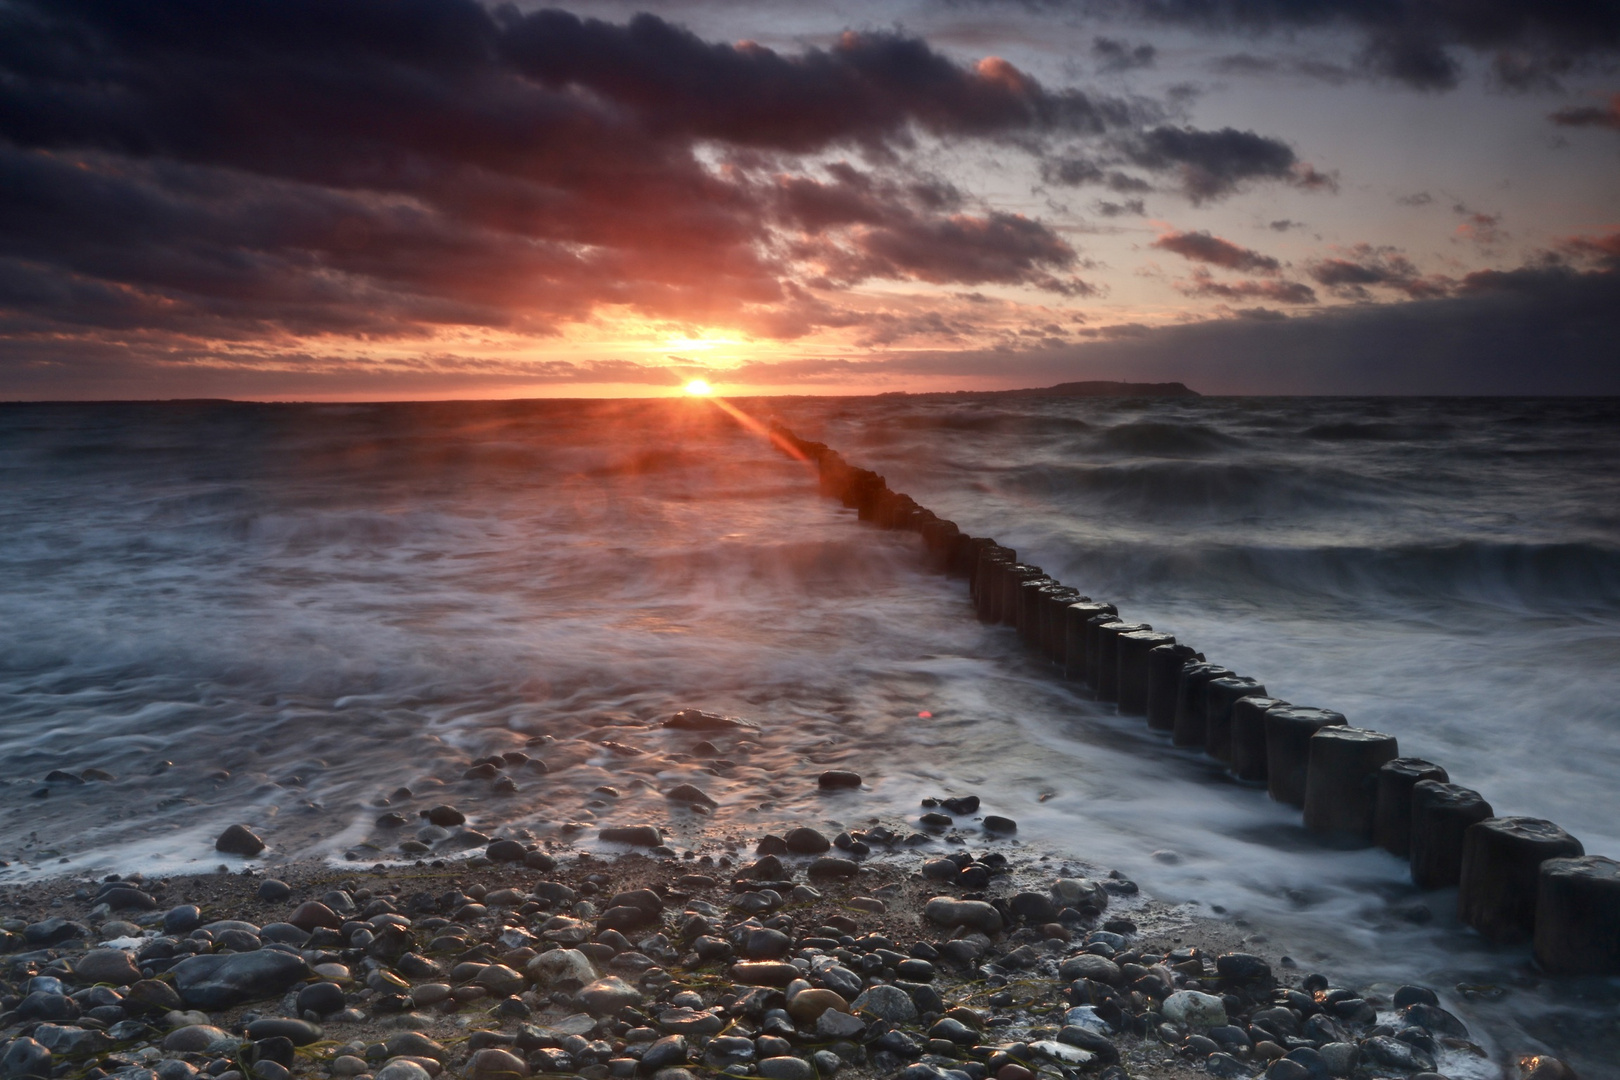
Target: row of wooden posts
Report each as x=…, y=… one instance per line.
x=1517, y=877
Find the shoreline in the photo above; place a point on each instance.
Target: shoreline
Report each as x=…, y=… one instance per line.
x=986, y=984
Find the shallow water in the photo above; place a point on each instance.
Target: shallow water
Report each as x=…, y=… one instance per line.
x=331, y=601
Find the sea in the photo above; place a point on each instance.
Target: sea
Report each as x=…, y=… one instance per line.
x=281, y=614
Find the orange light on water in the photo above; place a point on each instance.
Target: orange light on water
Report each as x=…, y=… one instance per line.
x=699, y=386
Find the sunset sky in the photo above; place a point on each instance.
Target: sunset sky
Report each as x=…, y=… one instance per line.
x=380, y=199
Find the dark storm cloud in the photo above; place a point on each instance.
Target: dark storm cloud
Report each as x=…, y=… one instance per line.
x=386, y=167
x=1547, y=328
x=1590, y=115
x=1205, y=166
x=1205, y=248
x=1415, y=42
x=1113, y=55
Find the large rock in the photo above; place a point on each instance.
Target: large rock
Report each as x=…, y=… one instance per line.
x=785, y=1068
x=561, y=969
x=764, y=973
x=415, y=1044
x=634, y=835
x=1194, y=1010
x=239, y=840
x=220, y=980
x=806, y=841
x=976, y=914
x=401, y=1069
x=698, y=720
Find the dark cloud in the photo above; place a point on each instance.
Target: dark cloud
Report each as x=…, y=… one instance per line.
x=1205, y=248
x=1284, y=224
x=1205, y=166
x=1415, y=42
x=1124, y=208
x=1543, y=329
x=1363, y=265
x=1249, y=64
x=1113, y=55
x=1214, y=164
x=370, y=168
x=1421, y=198
x=1278, y=292
x=1590, y=115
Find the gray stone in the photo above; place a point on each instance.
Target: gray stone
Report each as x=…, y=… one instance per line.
x=684, y=1021
x=114, y=966
x=493, y=1063
x=561, y=969
x=1194, y=1010
x=887, y=1003
x=1090, y=966
x=25, y=1058
x=298, y=1032
x=833, y=1024
x=806, y=841
x=402, y=1070
x=604, y=997
x=785, y=1068
x=500, y=980
x=826, y=1062
x=1340, y=1057
x=972, y=913
x=239, y=840
x=668, y=1051
x=218, y=981
x=1395, y=1054
x=415, y=1044
x=55, y=931
x=840, y=980
x=66, y=1040
x=51, y=1008
x=195, y=1039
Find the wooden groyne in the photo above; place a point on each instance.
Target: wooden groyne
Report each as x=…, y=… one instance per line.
x=1518, y=878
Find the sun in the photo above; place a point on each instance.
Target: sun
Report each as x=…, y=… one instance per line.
x=699, y=386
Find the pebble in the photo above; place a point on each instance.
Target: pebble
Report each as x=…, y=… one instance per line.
x=785, y=1068
x=113, y=966
x=994, y=823
x=833, y=1024
x=976, y=914
x=886, y=1003
x=806, y=841
x=838, y=780
x=1195, y=1010
x=399, y=1070
x=634, y=835
x=195, y=1038
x=607, y=996
x=297, y=1032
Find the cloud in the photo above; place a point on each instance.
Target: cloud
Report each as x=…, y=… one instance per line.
x=1213, y=164
x=1278, y=292
x=1284, y=224
x=1413, y=42
x=1542, y=329
x=372, y=168
x=1590, y=115
x=1364, y=265
x=1205, y=248
x=1113, y=55
x=1123, y=208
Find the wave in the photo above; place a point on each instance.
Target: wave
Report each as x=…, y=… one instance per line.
x=1570, y=578
x=1180, y=490
x=1156, y=438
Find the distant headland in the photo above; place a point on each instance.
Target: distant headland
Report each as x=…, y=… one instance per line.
x=1098, y=388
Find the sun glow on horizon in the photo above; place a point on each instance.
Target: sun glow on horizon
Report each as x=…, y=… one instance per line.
x=699, y=386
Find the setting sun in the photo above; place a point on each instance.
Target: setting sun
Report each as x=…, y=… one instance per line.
x=699, y=386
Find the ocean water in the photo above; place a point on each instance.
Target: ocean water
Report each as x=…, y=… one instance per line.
x=280, y=614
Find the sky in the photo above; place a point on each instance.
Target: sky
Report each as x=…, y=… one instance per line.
x=405, y=199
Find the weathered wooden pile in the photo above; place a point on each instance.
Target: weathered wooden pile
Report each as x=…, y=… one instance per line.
x=1517, y=878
